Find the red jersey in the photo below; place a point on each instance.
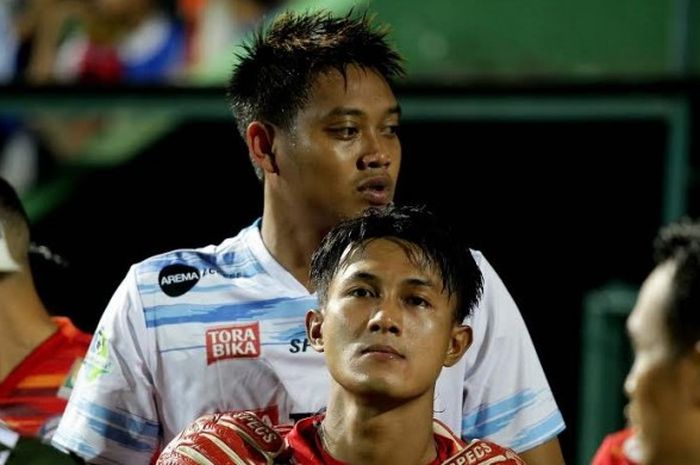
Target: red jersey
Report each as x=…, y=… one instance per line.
x=305, y=444
x=619, y=448
x=29, y=399
x=242, y=437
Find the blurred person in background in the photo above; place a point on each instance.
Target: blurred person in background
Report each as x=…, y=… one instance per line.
x=39, y=354
x=619, y=448
x=101, y=41
x=663, y=384
x=217, y=25
x=221, y=328
x=8, y=43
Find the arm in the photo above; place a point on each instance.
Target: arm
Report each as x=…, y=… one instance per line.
x=548, y=453
x=45, y=21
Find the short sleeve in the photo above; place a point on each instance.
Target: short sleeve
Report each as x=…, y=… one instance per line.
x=111, y=416
x=507, y=398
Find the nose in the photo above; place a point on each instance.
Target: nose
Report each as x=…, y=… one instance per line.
x=385, y=319
x=376, y=153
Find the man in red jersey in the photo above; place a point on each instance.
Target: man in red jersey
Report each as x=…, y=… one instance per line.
x=619, y=448
x=663, y=384
x=37, y=352
x=394, y=287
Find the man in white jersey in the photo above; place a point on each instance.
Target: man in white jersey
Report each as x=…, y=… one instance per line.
x=222, y=328
x=394, y=287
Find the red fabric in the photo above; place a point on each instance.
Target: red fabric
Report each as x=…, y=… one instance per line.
x=214, y=438
x=612, y=450
x=308, y=450
x=101, y=64
x=28, y=395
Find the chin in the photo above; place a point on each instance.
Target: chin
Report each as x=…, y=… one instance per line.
x=649, y=454
x=375, y=388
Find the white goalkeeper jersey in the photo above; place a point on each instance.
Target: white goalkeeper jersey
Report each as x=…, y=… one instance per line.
x=222, y=328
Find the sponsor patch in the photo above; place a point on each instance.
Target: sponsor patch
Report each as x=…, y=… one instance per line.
x=237, y=341
x=175, y=280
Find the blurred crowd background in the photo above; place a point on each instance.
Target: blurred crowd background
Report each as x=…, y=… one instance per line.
x=560, y=135
x=121, y=41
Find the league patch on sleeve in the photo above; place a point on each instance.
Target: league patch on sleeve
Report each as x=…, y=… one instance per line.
x=97, y=362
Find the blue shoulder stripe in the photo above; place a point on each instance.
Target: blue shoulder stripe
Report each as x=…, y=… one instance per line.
x=126, y=421
x=292, y=333
x=538, y=433
x=236, y=254
x=73, y=443
x=491, y=418
x=285, y=307
x=120, y=436
x=185, y=256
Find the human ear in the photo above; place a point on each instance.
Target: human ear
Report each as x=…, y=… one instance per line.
x=259, y=138
x=460, y=340
x=314, y=329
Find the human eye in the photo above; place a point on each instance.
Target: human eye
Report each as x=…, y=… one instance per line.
x=391, y=129
x=418, y=301
x=345, y=132
x=360, y=292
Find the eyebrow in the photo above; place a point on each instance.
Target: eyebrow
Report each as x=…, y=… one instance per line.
x=371, y=277
x=347, y=111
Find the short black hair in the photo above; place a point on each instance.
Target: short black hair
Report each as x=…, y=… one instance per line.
x=427, y=241
x=680, y=243
x=276, y=69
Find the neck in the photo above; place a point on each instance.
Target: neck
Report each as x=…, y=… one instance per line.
x=355, y=432
x=291, y=235
x=24, y=322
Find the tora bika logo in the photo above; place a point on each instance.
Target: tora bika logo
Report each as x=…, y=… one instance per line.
x=236, y=341
x=175, y=280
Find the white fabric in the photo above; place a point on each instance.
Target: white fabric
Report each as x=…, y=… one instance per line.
x=7, y=263
x=159, y=362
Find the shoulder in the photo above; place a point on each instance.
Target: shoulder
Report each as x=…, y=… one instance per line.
x=619, y=448
x=175, y=272
x=484, y=265
x=72, y=334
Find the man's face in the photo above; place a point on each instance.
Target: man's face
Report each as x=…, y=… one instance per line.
x=658, y=402
x=388, y=328
x=342, y=153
